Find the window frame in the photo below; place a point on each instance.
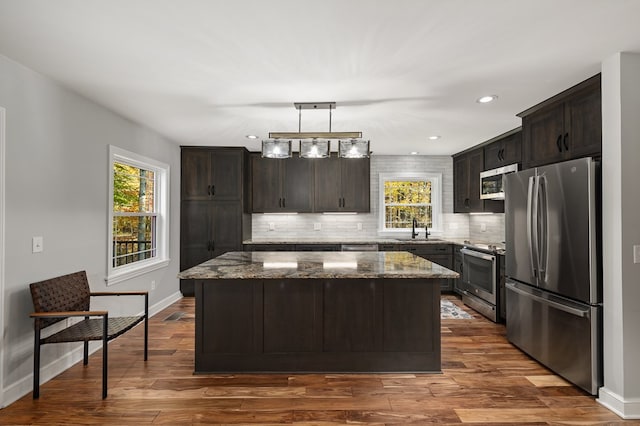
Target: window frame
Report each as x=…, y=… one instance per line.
x=116, y=274
x=436, y=199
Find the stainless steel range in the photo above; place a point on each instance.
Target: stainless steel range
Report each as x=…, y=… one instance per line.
x=481, y=279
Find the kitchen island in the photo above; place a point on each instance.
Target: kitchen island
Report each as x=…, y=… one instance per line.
x=317, y=312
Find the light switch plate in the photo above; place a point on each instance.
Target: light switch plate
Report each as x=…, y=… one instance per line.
x=636, y=254
x=37, y=244
x=317, y=226
x=272, y=226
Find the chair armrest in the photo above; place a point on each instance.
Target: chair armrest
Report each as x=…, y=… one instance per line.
x=119, y=293
x=68, y=314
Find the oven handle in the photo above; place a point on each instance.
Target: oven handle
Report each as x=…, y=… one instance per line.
x=474, y=253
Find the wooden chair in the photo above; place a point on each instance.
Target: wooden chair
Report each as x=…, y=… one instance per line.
x=68, y=296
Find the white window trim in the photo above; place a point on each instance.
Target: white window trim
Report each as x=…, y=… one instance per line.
x=436, y=199
x=162, y=170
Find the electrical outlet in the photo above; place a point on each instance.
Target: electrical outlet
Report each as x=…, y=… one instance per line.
x=272, y=226
x=317, y=226
x=636, y=254
x=483, y=227
x=359, y=226
x=37, y=244
x=153, y=285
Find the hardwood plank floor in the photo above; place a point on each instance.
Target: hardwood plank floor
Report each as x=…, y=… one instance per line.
x=485, y=380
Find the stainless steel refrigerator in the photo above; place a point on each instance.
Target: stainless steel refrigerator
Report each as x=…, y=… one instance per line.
x=553, y=289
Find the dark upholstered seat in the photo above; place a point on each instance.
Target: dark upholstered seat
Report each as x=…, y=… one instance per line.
x=68, y=296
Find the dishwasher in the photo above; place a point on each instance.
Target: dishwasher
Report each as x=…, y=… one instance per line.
x=358, y=247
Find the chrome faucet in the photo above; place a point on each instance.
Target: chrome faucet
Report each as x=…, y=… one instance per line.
x=414, y=233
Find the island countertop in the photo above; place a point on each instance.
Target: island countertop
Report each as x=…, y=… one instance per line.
x=317, y=265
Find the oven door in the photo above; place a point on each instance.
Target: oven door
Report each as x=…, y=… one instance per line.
x=479, y=274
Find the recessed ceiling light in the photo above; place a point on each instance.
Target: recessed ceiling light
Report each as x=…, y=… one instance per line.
x=252, y=137
x=434, y=137
x=487, y=99
x=414, y=153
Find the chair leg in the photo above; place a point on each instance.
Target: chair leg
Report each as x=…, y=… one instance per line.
x=85, y=359
x=36, y=363
x=104, y=355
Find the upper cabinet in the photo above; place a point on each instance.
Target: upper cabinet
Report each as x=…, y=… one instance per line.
x=282, y=185
x=503, y=151
x=466, y=181
x=566, y=126
x=212, y=174
x=342, y=185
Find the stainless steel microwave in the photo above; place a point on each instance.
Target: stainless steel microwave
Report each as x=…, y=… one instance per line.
x=492, y=182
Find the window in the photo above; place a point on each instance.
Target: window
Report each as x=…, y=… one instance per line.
x=138, y=224
x=405, y=197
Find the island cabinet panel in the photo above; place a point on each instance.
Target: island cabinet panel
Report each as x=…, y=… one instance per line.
x=232, y=314
x=292, y=316
x=409, y=308
x=352, y=316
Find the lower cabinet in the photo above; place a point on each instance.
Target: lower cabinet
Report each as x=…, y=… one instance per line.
x=437, y=253
x=458, y=284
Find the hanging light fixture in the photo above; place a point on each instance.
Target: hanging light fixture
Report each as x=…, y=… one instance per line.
x=276, y=148
x=353, y=148
x=315, y=148
x=312, y=144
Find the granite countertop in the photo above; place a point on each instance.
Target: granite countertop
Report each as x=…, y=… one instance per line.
x=325, y=265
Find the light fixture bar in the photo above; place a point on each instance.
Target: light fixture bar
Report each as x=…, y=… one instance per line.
x=315, y=135
x=315, y=105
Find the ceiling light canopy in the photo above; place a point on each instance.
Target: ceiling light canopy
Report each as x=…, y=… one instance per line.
x=313, y=144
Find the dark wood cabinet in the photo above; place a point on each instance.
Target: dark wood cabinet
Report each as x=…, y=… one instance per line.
x=282, y=185
x=211, y=174
x=214, y=215
x=342, y=184
x=435, y=252
x=503, y=151
x=566, y=126
x=466, y=181
x=458, y=284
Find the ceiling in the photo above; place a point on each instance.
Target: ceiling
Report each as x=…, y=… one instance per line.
x=210, y=72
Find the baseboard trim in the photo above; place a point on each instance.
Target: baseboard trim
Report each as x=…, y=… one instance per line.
x=628, y=409
x=22, y=387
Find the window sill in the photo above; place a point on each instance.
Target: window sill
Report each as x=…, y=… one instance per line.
x=119, y=276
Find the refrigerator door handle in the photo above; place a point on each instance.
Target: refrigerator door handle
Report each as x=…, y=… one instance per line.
x=532, y=223
x=560, y=306
x=543, y=226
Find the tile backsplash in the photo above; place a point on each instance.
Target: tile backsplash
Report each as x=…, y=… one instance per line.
x=365, y=225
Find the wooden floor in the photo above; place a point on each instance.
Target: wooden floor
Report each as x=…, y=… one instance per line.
x=485, y=380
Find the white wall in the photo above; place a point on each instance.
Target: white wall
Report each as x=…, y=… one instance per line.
x=621, y=231
x=56, y=187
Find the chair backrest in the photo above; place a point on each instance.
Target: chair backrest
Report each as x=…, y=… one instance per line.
x=66, y=293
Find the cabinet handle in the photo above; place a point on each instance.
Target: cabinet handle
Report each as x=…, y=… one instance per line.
x=284, y=203
x=466, y=202
x=566, y=145
x=501, y=154
x=213, y=190
x=213, y=245
x=559, y=143
x=208, y=245
x=208, y=189
x=279, y=202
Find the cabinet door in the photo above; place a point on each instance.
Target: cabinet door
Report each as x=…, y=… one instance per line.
x=266, y=184
x=583, y=123
x=461, y=184
x=226, y=225
x=196, y=174
x=493, y=155
x=512, y=149
x=476, y=164
x=195, y=233
x=297, y=184
x=543, y=133
x=355, y=185
x=327, y=182
x=226, y=174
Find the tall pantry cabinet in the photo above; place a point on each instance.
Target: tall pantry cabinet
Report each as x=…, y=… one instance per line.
x=214, y=205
